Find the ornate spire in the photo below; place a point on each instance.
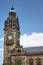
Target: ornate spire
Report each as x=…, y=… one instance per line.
x=12, y=9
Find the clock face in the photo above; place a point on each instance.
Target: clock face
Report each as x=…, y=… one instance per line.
x=10, y=37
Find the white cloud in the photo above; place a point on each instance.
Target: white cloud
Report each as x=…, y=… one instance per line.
x=1, y=39
x=1, y=44
x=1, y=49
x=34, y=39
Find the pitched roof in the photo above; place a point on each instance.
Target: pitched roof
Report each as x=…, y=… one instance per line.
x=34, y=50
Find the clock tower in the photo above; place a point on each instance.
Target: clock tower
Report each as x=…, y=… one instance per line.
x=14, y=53
x=11, y=35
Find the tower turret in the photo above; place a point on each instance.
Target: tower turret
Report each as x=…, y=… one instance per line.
x=12, y=12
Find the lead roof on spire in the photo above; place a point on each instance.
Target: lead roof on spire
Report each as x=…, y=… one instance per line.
x=12, y=9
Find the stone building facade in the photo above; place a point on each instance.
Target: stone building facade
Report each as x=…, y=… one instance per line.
x=12, y=49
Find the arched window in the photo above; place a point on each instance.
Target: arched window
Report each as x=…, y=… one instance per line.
x=6, y=25
x=30, y=61
x=18, y=62
x=19, y=51
x=38, y=61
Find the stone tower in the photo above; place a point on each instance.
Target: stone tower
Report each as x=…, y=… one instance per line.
x=11, y=35
x=13, y=51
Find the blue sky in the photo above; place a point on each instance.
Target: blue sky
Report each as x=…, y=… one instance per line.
x=30, y=14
